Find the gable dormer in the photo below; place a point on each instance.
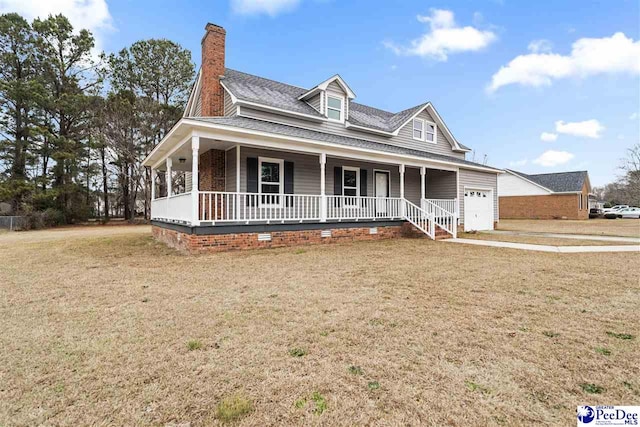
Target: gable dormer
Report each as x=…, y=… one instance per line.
x=330, y=98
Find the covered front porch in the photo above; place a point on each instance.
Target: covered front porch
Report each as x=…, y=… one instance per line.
x=213, y=182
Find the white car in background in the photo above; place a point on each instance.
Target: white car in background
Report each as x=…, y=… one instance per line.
x=614, y=208
x=631, y=212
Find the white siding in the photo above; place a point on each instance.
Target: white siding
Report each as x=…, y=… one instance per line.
x=511, y=185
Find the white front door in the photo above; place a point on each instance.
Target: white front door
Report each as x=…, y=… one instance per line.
x=382, y=190
x=478, y=210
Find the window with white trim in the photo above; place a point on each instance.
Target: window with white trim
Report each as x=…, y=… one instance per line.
x=430, y=132
x=350, y=184
x=271, y=183
x=418, y=129
x=335, y=108
x=424, y=130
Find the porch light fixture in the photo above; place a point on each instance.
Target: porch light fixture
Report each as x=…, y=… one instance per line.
x=182, y=160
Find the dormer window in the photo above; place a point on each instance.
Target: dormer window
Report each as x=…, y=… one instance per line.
x=424, y=130
x=418, y=129
x=431, y=132
x=335, y=108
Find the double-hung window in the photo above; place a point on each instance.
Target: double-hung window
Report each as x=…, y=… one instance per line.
x=335, y=108
x=351, y=184
x=418, y=129
x=271, y=181
x=430, y=132
x=424, y=130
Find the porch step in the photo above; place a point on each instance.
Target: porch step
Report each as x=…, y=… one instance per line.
x=442, y=234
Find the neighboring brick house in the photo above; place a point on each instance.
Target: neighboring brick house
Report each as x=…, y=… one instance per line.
x=563, y=195
x=258, y=163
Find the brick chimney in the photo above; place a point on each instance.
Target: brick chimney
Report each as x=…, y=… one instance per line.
x=212, y=68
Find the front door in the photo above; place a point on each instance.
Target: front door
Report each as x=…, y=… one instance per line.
x=382, y=191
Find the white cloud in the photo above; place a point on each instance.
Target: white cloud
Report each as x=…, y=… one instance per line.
x=615, y=54
x=92, y=15
x=539, y=46
x=588, y=128
x=517, y=163
x=633, y=116
x=268, y=7
x=552, y=158
x=444, y=38
x=548, y=136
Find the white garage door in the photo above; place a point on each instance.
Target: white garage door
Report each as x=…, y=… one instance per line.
x=478, y=210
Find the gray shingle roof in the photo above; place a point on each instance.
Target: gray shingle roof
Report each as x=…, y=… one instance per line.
x=561, y=182
x=286, y=130
x=247, y=87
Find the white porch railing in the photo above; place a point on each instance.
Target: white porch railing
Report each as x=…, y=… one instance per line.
x=360, y=207
x=173, y=208
x=448, y=205
x=226, y=207
x=444, y=213
x=216, y=206
x=420, y=219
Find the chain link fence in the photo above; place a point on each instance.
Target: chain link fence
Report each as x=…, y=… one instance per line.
x=12, y=222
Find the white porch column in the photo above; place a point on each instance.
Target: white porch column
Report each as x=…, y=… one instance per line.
x=402, y=211
x=237, y=182
x=153, y=184
x=423, y=185
x=323, y=196
x=195, y=195
x=169, y=176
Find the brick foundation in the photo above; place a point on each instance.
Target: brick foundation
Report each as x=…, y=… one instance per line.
x=194, y=243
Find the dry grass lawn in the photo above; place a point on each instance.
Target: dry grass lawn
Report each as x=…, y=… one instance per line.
x=596, y=227
x=103, y=326
x=536, y=240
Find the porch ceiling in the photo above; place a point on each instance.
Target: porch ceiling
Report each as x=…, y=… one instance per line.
x=184, y=153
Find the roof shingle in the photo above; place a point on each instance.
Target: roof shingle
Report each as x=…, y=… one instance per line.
x=560, y=182
x=286, y=130
x=250, y=88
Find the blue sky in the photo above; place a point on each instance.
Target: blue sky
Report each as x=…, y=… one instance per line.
x=570, y=78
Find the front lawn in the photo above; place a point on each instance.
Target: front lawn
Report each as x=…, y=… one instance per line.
x=102, y=325
x=540, y=240
x=596, y=227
